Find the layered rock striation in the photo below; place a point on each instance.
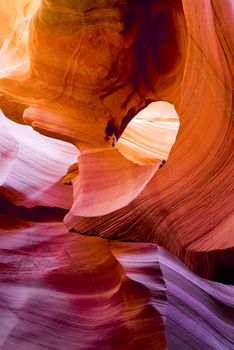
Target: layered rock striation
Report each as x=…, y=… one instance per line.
x=116, y=122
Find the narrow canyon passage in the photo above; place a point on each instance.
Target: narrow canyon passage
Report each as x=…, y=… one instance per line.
x=116, y=175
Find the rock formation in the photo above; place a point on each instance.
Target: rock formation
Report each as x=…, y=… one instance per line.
x=116, y=122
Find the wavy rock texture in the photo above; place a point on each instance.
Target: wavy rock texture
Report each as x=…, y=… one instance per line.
x=33, y=166
x=199, y=312
x=64, y=290
x=61, y=290
x=83, y=72
x=148, y=138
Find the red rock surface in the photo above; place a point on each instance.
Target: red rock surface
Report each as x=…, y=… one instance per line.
x=82, y=73
x=65, y=290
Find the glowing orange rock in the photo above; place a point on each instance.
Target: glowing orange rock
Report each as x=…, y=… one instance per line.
x=11, y=11
x=85, y=71
x=149, y=137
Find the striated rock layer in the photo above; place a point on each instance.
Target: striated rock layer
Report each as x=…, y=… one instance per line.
x=32, y=167
x=107, y=60
x=65, y=290
x=83, y=72
x=61, y=290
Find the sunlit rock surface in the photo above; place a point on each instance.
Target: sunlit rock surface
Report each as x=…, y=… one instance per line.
x=137, y=100
x=33, y=166
x=11, y=11
x=149, y=137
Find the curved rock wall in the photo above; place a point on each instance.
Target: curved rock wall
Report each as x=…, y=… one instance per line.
x=82, y=73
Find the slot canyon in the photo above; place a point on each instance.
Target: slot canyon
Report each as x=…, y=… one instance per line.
x=116, y=174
